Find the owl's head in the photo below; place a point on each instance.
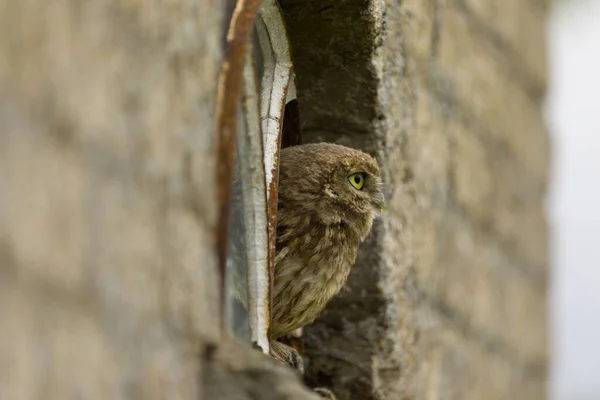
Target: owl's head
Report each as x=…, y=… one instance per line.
x=337, y=183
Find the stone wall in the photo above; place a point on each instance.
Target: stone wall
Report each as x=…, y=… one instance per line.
x=448, y=298
x=108, y=284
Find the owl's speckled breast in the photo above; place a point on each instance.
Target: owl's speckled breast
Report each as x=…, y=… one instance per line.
x=304, y=285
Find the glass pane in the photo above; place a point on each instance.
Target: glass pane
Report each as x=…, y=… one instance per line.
x=258, y=57
x=237, y=263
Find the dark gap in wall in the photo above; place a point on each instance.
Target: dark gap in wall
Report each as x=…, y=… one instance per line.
x=292, y=133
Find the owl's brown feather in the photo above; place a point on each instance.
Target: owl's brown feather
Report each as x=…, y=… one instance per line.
x=321, y=222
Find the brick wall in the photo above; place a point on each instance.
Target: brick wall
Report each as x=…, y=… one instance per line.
x=448, y=297
x=108, y=286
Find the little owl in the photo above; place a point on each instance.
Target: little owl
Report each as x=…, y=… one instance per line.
x=329, y=196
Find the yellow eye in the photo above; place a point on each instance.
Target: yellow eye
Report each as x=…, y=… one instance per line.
x=357, y=180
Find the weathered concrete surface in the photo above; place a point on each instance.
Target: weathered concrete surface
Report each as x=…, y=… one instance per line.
x=108, y=287
x=447, y=299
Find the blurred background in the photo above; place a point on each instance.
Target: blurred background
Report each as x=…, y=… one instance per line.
x=572, y=113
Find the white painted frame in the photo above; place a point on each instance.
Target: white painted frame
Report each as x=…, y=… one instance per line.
x=255, y=206
x=277, y=60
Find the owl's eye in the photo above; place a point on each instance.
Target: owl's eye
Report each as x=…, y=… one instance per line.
x=357, y=180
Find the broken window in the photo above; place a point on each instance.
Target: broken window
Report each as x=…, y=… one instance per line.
x=266, y=86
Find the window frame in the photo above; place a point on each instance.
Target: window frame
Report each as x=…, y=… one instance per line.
x=277, y=87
